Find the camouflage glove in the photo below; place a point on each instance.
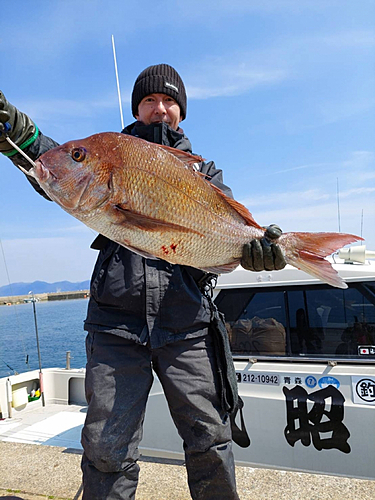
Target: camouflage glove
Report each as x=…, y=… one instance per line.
x=23, y=131
x=263, y=254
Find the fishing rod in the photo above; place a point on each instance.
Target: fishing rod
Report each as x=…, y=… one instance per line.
x=10, y=368
x=5, y=129
x=118, y=82
x=37, y=344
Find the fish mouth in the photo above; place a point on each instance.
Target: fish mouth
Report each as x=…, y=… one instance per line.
x=52, y=186
x=42, y=173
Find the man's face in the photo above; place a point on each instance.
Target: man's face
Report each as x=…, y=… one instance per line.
x=157, y=108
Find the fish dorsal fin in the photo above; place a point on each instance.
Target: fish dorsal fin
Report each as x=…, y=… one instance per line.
x=187, y=158
x=239, y=208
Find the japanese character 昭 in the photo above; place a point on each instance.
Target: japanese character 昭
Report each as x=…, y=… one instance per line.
x=307, y=425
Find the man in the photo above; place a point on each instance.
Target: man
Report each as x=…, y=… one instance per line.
x=148, y=315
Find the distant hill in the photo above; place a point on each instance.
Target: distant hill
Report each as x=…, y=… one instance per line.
x=42, y=287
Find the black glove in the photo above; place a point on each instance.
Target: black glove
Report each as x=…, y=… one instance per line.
x=263, y=254
x=22, y=128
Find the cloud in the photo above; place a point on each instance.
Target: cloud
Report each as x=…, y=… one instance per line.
x=353, y=38
x=234, y=81
x=235, y=73
x=357, y=191
x=310, y=166
x=316, y=208
x=357, y=168
x=285, y=198
x=288, y=59
x=323, y=217
x=362, y=163
x=84, y=108
x=66, y=231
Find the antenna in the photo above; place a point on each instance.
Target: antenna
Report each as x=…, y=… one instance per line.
x=338, y=205
x=362, y=224
x=118, y=83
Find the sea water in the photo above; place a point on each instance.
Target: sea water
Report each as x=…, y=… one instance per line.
x=60, y=329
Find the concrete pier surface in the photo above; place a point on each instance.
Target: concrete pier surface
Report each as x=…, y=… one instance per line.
x=34, y=472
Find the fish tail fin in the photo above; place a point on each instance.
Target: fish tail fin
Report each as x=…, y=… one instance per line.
x=306, y=251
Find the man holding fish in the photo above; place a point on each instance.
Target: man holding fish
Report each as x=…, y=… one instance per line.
x=147, y=314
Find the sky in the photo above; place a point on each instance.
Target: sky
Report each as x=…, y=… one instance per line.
x=280, y=95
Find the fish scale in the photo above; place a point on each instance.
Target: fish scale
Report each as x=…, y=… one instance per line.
x=150, y=199
x=184, y=208
x=181, y=205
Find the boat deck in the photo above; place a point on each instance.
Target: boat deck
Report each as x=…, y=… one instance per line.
x=40, y=457
x=52, y=425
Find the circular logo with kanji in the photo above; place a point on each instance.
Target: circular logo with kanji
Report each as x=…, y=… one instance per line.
x=310, y=381
x=365, y=389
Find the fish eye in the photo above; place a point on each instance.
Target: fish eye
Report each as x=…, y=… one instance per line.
x=79, y=154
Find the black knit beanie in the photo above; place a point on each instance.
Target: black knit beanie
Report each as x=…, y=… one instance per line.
x=159, y=79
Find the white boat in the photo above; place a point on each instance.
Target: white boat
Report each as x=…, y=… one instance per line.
x=304, y=355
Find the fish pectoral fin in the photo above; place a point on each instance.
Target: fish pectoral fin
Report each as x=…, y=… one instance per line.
x=141, y=221
x=187, y=158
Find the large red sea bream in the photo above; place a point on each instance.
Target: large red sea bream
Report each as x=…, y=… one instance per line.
x=150, y=199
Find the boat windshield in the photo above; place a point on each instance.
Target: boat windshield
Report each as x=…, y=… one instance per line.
x=298, y=321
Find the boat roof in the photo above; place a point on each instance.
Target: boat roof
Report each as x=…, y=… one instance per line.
x=290, y=276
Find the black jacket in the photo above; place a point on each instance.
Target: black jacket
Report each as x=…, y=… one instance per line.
x=142, y=299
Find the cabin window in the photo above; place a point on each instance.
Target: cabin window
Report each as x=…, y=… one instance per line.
x=255, y=321
x=318, y=321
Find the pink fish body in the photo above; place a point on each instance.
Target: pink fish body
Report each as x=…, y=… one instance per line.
x=150, y=199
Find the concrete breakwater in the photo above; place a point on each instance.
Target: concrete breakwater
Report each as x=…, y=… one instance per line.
x=21, y=299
